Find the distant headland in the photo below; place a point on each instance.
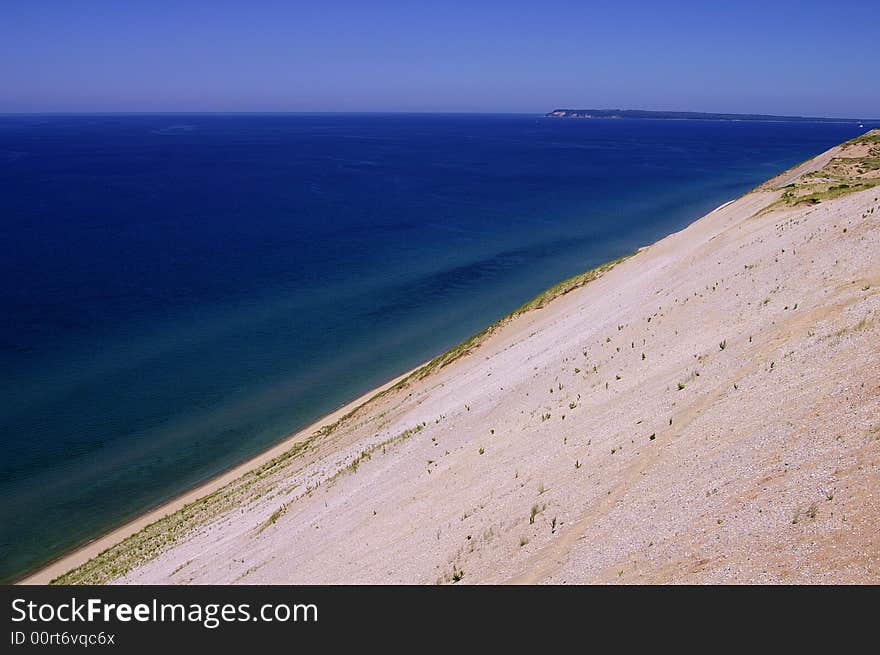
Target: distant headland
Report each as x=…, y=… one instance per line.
x=691, y=115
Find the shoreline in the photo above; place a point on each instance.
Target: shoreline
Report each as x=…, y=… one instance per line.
x=722, y=206
x=47, y=572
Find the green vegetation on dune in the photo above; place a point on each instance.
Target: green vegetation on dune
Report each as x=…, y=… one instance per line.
x=538, y=302
x=822, y=192
x=856, y=168
x=566, y=286
x=872, y=136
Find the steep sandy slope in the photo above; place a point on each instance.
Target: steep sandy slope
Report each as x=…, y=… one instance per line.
x=706, y=411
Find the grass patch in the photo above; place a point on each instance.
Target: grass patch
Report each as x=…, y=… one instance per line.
x=368, y=452
x=273, y=518
x=536, y=509
x=538, y=302
x=856, y=168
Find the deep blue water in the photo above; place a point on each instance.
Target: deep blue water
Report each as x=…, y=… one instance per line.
x=179, y=292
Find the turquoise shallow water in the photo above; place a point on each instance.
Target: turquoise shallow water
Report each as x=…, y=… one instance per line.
x=180, y=292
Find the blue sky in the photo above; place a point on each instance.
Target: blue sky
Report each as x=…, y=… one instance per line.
x=773, y=56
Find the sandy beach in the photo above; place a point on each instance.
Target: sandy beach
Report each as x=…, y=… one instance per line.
x=704, y=411
x=97, y=546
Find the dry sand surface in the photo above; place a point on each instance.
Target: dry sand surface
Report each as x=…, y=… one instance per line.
x=707, y=411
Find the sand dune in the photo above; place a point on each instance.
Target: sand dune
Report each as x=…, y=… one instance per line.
x=706, y=411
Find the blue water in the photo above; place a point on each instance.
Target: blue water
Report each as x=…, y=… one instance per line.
x=178, y=292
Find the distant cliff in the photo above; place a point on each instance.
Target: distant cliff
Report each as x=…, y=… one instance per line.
x=689, y=115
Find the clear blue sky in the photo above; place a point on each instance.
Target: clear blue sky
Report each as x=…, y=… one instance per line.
x=772, y=56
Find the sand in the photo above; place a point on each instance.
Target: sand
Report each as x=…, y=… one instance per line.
x=707, y=411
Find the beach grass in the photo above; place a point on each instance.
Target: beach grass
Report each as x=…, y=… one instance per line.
x=856, y=168
x=538, y=302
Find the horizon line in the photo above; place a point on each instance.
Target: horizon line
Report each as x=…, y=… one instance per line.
x=754, y=117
